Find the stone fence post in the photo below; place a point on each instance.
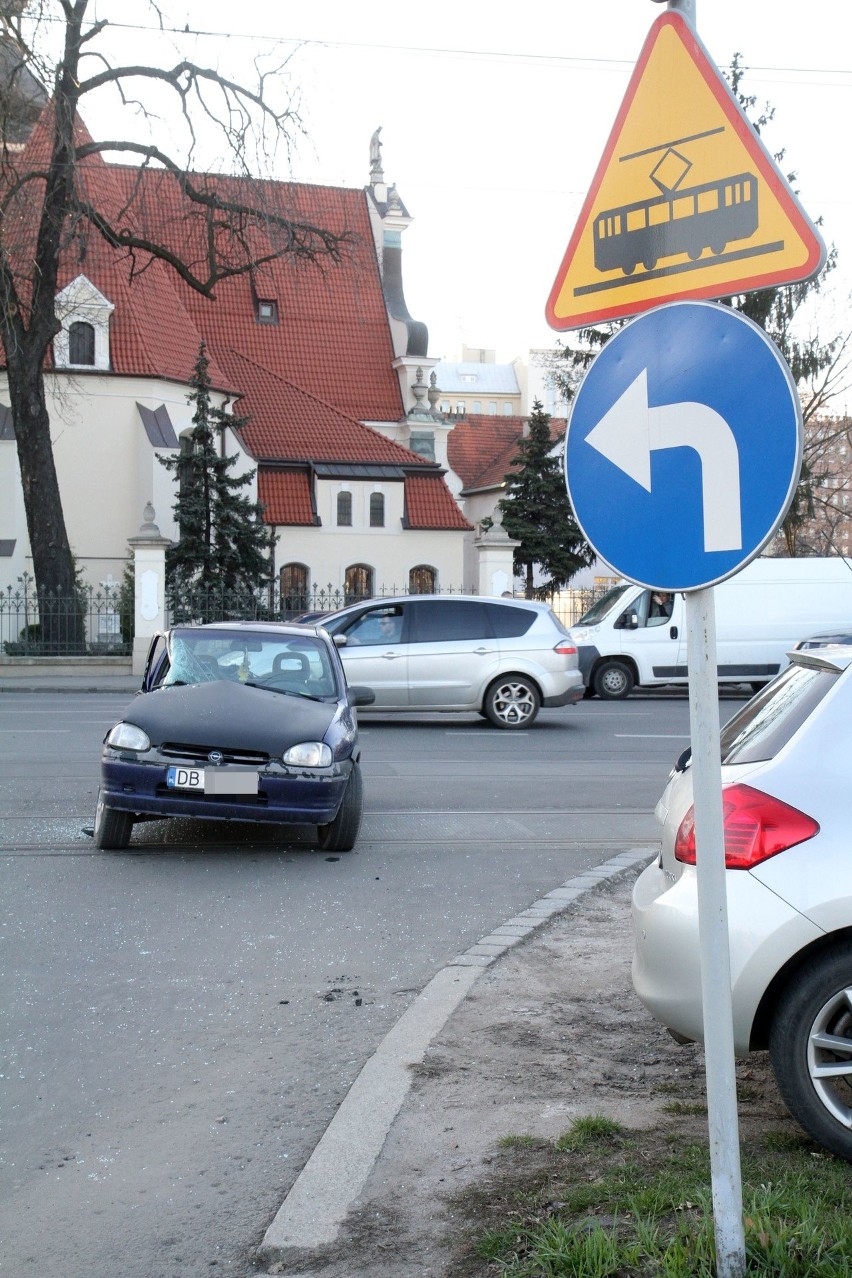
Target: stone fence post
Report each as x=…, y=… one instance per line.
x=149, y=572
x=495, y=549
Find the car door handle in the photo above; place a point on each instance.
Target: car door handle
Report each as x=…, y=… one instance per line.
x=389, y=656
x=482, y=652
x=673, y=632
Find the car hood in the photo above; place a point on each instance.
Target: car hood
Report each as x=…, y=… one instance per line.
x=230, y=715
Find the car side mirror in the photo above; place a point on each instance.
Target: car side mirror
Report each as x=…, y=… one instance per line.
x=339, y=641
x=631, y=621
x=359, y=696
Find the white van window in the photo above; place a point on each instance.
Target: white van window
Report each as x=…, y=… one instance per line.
x=602, y=606
x=660, y=605
x=650, y=608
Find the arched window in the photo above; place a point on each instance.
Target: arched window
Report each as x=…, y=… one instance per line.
x=293, y=583
x=81, y=343
x=344, y=510
x=422, y=580
x=377, y=510
x=358, y=583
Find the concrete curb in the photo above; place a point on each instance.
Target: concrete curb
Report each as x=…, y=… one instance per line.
x=72, y=683
x=338, y=1169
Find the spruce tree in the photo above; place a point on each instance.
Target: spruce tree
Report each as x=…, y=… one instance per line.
x=537, y=512
x=223, y=545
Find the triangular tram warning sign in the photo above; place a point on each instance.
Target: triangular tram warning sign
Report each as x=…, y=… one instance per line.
x=686, y=201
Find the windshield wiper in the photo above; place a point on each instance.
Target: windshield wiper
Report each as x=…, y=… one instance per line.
x=287, y=692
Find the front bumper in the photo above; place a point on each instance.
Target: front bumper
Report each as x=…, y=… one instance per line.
x=764, y=934
x=285, y=796
x=587, y=655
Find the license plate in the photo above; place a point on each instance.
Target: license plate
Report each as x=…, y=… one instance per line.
x=212, y=780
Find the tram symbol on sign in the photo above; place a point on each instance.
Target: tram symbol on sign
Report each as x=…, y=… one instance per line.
x=686, y=202
x=680, y=220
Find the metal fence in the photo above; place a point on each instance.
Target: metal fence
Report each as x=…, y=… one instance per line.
x=571, y=605
x=271, y=604
x=95, y=621
x=98, y=621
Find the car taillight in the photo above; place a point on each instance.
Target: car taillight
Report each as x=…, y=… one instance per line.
x=756, y=826
x=566, y=649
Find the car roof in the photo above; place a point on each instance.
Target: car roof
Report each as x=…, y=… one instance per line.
x=831, y=657
x=276, y=627
x=828, y=637
x=390, y=600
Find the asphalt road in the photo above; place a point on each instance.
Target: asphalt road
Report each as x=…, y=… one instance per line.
x=182, y=1020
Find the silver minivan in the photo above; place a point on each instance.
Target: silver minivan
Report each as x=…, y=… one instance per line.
x=505, y=658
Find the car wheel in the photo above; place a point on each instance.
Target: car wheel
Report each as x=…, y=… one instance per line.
x=613, y=680
x=112, y=827
x=341, y=833
x=810, y=1047
x=512, y=702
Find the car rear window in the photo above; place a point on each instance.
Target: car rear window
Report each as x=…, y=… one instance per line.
x=510, y=622
x=439, y=620
x=770, y=719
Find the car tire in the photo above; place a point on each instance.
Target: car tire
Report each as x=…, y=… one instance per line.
x=112, y=827
x=613, y=681
x=512, y=702
x=341, y=834
x=812, y=1024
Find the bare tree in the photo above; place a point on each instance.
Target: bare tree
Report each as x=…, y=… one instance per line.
x=52, y=203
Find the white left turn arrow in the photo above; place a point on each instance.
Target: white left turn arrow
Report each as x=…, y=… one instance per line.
x=630, y=431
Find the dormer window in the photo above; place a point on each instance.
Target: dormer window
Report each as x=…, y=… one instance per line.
x=267, y=310
x=84, y=314
x=81, y=343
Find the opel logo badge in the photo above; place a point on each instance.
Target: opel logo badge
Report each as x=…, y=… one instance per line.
x=215, y=757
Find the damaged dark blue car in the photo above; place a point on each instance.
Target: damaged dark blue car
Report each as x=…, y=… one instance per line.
x=237, y=721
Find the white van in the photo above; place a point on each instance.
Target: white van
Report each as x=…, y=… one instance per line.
x=635, y=637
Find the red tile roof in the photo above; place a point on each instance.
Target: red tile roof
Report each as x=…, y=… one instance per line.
x=430, y=504
x=288, y=422
x=308, y=382
x=482, y=449
x=286, y=494
x=332, y=339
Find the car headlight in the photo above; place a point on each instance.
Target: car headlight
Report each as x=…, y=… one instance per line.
x=126, y=736
x=308, y=754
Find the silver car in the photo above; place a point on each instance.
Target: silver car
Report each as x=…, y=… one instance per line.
x=505, y=658
x=787, y=808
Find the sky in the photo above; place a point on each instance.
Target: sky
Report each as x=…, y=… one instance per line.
x=494, y=118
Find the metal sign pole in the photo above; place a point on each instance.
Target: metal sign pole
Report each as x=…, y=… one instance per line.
x=722, y=1114
x=686, y=7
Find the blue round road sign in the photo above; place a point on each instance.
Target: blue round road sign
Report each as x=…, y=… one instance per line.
x=684, y=446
